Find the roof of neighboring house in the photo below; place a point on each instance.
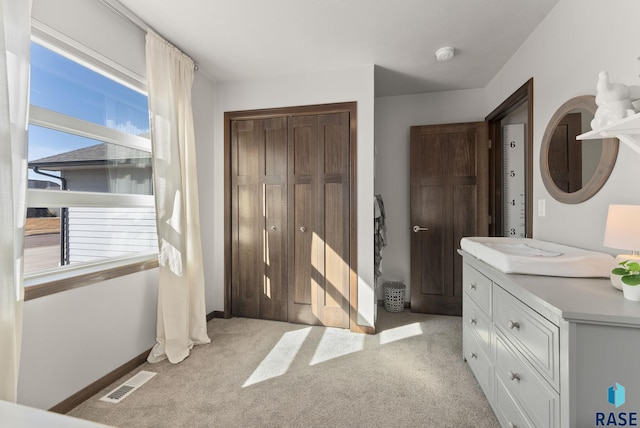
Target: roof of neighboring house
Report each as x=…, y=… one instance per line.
x=98, y=155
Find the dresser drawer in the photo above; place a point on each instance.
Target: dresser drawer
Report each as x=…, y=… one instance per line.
x=538, y=401
x=507, y=411
x=478, y=361
x=478, y=287
x=476, y=321
x=533, y=335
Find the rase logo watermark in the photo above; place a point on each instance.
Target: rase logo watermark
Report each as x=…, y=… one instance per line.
x=616, y=396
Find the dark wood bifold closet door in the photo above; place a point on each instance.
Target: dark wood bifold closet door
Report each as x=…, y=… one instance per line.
x=319, y=219
x=259, y=218
x=449, y=187
x=290, y=218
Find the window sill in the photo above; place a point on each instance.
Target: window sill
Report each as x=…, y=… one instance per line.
x=63, y=279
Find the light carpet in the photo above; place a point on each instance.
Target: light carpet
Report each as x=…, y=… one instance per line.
x=259, y=373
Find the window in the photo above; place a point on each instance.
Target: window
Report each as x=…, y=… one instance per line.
x=90, y=192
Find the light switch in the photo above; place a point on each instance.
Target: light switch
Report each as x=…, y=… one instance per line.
x=542, y=207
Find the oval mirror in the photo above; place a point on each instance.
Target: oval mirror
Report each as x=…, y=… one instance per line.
x=573, y=170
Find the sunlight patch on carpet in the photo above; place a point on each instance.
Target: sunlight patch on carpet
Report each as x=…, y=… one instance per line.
x=399, y=333
x=337, y=342
x=277, y=362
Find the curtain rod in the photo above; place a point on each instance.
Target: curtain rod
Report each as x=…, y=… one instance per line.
x=128, y=15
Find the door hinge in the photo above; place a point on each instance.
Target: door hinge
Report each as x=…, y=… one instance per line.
x=490, y=220
x=489, y=144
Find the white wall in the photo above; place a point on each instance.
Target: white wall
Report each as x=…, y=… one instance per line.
x=564, y=55
x=316, y=88
x=73, y=338
x=393, y=118
x=203, y=117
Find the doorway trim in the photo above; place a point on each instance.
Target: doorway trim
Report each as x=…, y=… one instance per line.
x=524, y=94
x=351, y=108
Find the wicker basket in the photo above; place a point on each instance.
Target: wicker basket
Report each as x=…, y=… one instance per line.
x=394, y=296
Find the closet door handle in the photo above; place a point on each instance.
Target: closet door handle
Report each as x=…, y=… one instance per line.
x=303, y=229
x=417, y=229
x=273, y=228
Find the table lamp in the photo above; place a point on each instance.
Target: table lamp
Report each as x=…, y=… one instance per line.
x=623, y=232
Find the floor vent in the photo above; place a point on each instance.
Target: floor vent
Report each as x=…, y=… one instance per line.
x=119, y=394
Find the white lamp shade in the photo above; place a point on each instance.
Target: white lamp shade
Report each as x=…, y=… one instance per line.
x=623, y=227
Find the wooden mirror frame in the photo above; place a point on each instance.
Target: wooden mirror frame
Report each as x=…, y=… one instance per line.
x=604, y=168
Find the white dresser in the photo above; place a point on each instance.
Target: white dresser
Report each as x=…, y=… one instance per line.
x=546, y=350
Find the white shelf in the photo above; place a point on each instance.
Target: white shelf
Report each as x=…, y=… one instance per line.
x=626, y=130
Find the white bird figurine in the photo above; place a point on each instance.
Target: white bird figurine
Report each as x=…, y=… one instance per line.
x=614, y=101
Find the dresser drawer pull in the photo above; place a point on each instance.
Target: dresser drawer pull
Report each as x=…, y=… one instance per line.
x=513, y=324
x=473, y=355
x=473, y=321
x=473, y=285
x=514, y=376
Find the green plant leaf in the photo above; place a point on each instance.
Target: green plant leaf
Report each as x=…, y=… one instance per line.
x=631, y=279
x=620, y=271
x=633, y=266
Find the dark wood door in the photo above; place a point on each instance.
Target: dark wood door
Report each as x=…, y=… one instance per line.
x=290, y=218
x=449, y=198
x=319, y=167
x=259, y=218
x=565, y=154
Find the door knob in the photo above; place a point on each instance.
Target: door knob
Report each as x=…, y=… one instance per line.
x=513, y=376
x=417, y=229
x=303, y=229
x=273, y=228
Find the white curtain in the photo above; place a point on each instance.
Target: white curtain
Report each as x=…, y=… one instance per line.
x=15, y=30
x=181, y=306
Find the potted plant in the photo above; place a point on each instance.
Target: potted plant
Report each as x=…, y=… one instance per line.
x=629, y=272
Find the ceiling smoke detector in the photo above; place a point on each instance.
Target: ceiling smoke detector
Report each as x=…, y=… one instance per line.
x=445, y=54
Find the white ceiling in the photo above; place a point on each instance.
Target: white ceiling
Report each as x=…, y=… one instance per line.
x=254, y=39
